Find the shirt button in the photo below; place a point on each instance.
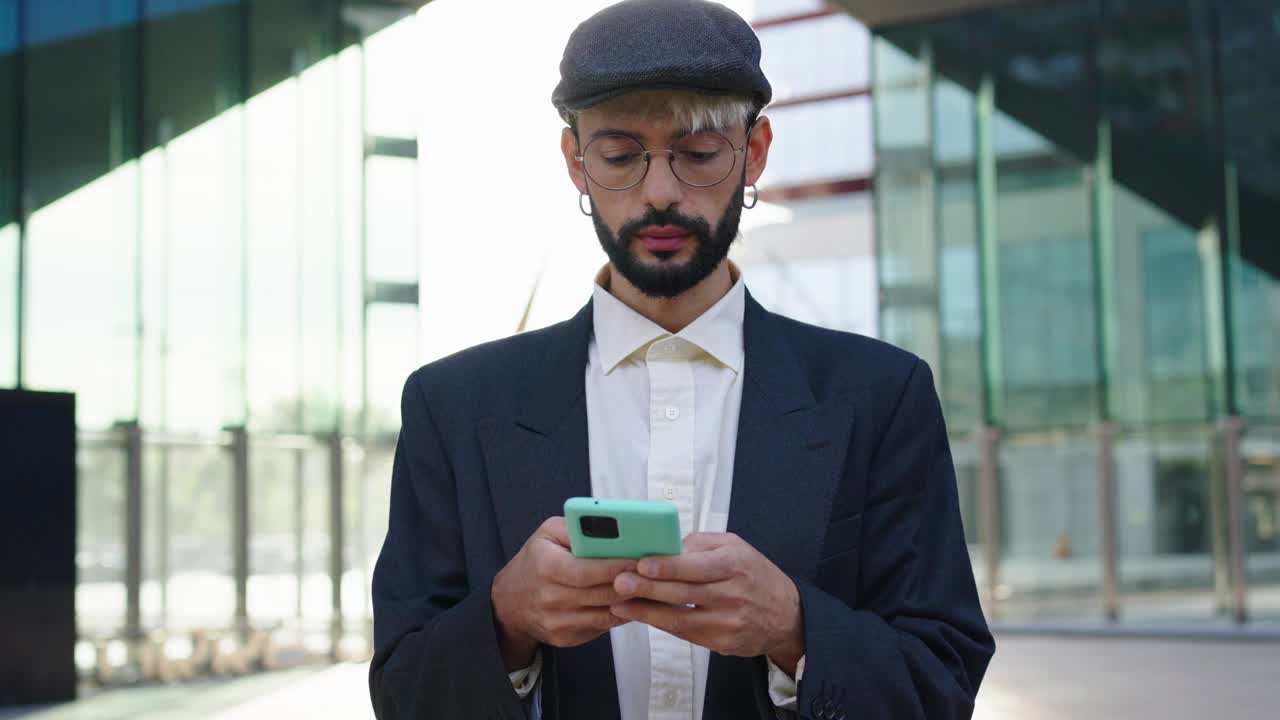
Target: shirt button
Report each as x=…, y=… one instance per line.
x=669, y=493
x=669, y=697
x=673, y=413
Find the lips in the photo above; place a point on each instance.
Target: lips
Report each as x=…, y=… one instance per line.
x=665, y=238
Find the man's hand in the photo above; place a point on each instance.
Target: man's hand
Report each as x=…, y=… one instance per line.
x=547, y=595
x=721, y=594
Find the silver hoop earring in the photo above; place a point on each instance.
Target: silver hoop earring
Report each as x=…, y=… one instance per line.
x=755, y=197
x=582, y=209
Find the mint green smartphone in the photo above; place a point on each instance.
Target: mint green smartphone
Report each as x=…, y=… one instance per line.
x=605, y=528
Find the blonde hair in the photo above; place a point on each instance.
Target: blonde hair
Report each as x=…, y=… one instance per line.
x=694, y=111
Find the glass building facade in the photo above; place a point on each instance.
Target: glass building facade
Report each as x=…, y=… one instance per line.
x=1078, y=226
x=208, y=233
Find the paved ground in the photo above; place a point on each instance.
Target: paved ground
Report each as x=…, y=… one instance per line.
x=1032, y=678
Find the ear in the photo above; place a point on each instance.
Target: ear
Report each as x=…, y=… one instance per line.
x=758, y=149
x=569, y=146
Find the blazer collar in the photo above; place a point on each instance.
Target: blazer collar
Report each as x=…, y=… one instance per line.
x=555, y=384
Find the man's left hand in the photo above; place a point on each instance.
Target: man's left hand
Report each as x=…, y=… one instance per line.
x=721, y=594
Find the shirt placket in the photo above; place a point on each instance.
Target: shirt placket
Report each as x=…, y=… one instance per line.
x=671, y=479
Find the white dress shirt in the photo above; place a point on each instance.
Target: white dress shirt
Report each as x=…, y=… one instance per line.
x=662, y=424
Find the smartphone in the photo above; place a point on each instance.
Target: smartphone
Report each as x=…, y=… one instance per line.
x=606, y=528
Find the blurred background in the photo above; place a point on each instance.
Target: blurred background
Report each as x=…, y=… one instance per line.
x=232, y=228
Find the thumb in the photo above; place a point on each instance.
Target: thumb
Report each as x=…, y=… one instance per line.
x=556, y=530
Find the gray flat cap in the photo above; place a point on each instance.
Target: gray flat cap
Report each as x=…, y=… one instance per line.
x=635, y=45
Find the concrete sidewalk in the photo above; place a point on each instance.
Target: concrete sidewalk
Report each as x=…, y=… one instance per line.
x=1031, y=678
x=1057, y=678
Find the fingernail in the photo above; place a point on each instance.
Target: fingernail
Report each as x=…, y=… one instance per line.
x=648, y=568
x=626, y=585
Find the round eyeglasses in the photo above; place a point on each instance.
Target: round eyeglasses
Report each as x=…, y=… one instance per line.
x=620, y=162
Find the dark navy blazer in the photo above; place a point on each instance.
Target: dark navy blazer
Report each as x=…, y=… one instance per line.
x=843, y=478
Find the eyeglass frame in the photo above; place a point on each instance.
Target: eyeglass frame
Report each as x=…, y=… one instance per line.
x=581, y=157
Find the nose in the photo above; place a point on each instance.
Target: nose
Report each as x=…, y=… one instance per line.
x=661, y=188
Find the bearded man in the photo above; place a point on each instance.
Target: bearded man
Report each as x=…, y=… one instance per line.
x=824, y=571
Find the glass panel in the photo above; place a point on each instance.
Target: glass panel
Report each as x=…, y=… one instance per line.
x=192, y=221
x=829, y=140
x=1152, y=69
x=960, y=308
x=389, y=110
x=393, y=353
x=317, y=585
x=294, y=218
x=1250, y=65
x=1260, y=451
x=100, y=558
x=1164, y=524
x=351, y=260
x=392, y=218
x=8, y=193
x=82, y=234
x=9, y=305
x=188, y=538
x=275, y=542
x=814, y=260
x=814, y=57
x=321, y=252
x=1050, y=566
x=906, y=244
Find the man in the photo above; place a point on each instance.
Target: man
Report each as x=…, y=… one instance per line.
x=824, y=572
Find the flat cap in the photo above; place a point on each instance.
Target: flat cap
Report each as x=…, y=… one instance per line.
x=692, y=45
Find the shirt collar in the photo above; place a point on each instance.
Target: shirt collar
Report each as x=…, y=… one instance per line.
x=620, y=331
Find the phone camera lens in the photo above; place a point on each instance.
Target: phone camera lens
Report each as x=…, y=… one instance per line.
x=599, y=526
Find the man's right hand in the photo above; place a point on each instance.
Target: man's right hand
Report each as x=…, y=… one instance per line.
x=547, y=595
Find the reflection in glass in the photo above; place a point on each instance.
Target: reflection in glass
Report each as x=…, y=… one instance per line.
x=188, y=582
x=1261, y=479
x=1164, y=517
x=100, y=538
x=1050, y=563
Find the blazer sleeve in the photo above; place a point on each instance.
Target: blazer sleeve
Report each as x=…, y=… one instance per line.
x=436, y=648
x=904, y=635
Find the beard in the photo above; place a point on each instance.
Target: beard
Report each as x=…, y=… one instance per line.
x=669, y=278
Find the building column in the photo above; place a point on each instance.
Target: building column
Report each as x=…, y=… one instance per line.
x=987, y=440
x=133, y=514
x=240, y=527
x=1107, y=521
x=337, y=538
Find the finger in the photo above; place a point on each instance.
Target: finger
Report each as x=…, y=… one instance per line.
x=681, y=621
x=574, y=628
x=631, y=585
x=700, y=567
x=599, y=596
x=585, y=573
x=703, y=541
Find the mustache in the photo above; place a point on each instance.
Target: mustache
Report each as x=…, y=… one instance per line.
x=695, y=225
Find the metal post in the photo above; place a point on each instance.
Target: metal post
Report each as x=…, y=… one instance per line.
x=986, y=439
x=1107, y=521
x=240, y=526
x=337, y=539
x=132, y=436
x=1232, y=428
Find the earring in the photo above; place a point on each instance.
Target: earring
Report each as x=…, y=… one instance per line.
x=583, y=210
x=755, y=197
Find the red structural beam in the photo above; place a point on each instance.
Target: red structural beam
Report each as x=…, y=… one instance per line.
x=825, y=188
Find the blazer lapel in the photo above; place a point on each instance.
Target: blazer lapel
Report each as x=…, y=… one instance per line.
x=790, y=452
x=535, y=461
